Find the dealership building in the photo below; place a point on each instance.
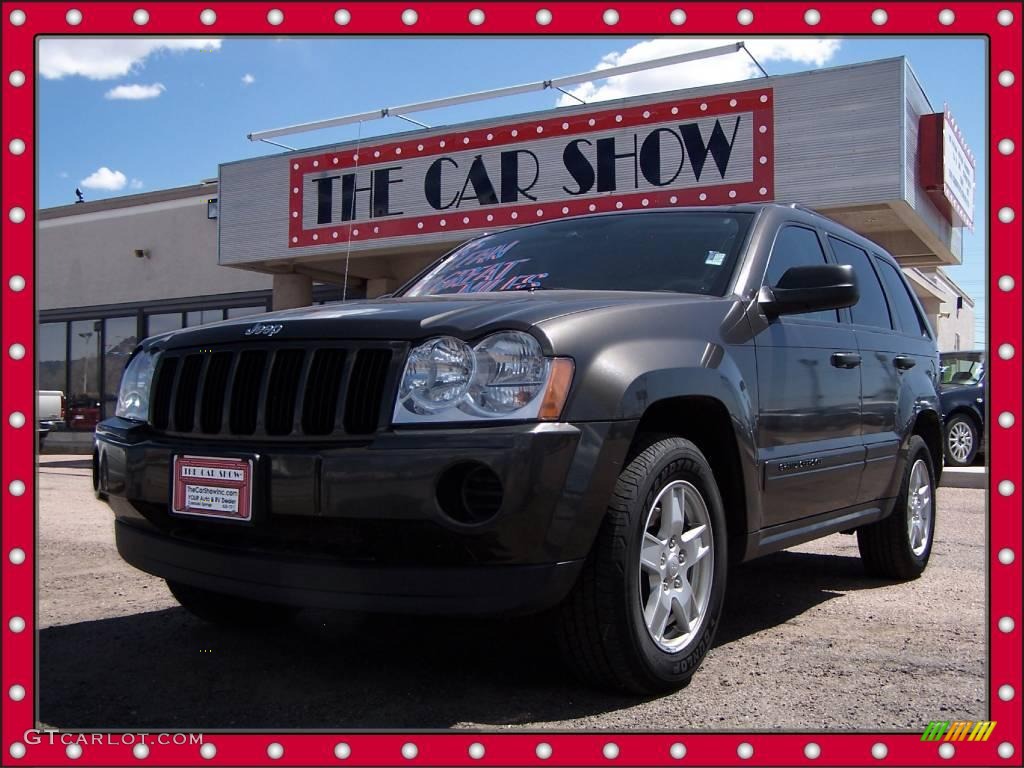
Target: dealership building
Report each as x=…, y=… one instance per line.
x=861, y=144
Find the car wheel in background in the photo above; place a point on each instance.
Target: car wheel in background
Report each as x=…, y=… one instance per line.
x=898, y=547
x=645, y=609
x=961, y=444
x=228, y=610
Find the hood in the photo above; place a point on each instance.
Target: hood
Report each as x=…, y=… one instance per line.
x=467, y=316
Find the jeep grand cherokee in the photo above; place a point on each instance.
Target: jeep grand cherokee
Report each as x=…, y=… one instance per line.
x=593, y=415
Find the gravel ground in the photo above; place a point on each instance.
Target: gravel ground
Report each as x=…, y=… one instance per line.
x=807, y=642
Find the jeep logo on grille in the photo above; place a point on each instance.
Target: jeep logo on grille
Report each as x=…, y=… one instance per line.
x=261, y=329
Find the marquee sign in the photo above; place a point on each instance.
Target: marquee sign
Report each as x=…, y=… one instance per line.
x=947, y=168
x=705, y=151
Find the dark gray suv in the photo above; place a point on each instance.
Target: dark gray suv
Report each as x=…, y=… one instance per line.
x=594, y=416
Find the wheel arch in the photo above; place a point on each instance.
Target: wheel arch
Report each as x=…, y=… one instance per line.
x=929, y=427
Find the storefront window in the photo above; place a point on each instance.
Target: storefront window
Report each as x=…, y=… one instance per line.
x=203, y=316
x=118, y=342
x=245, y=311
x=52, y=355
x=162, y=323
x=83, y=400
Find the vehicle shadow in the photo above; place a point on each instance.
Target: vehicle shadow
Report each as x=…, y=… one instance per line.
x=167, y=670
x=66, y=464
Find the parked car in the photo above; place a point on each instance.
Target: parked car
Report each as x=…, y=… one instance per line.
x=962, y=394
x=595, y=415
x=83, y=414
x=49, y=413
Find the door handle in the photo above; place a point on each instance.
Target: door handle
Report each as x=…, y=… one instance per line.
x=845, y=359
x=904, y=362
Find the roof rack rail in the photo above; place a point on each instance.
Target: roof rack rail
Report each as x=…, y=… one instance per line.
x=806, y=209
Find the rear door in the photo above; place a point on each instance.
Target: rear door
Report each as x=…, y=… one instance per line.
x=808, y=379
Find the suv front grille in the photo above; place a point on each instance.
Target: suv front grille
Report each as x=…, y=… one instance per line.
x=274, y=391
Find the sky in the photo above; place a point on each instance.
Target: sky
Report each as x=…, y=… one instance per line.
x=120, y=116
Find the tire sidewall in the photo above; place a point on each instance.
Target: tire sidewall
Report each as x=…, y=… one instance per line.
x=950, y=459
x=681, y=462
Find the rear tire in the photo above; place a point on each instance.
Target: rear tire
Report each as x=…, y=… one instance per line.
x=646, y=607
x=898, y=547
x=228, y=610
x=961, y=443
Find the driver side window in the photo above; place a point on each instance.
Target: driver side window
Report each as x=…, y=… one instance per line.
x=797, y=247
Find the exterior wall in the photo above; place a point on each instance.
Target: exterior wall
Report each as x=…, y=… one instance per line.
x=835, y=140
x=938, y=295
x=87, y=259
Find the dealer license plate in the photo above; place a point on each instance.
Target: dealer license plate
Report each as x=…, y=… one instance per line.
x=212, y=487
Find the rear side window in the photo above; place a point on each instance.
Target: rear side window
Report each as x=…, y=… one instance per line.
x=871, y=308
x=797, y=247
x=910, y=322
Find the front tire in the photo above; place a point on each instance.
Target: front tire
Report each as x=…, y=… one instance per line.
x=227, y=610
x=962, y=438
x=646, y=607
x=898, y=546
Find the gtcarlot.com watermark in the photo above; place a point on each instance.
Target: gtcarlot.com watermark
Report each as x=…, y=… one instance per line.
x=34, y=736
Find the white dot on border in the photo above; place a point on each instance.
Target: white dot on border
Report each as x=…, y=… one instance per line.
x=275, y=16
x=17, y=17
x=208, y=17
x=543, y=750
x=812, y=17
x=16, y=624
x=591, y=207
x=1006, y=625
x=16, y=351
x=618, y=204
x=410, y=17
x=946, y=17
x=140, y=751
x=410, y=750
x=141, y=17
x=745, y=750
x=1005, y=750
x=673, y=199
x=702, y=196
x=73, y=17
x=17, y=488
x=476, y=750
x=73, y=751
x=745, y=16
x=342, y=751
x=565, y=209
x=275, y=751
x=610, y=750
x=16, y=283
x=678, y=17
x=1006, y=351
x=677, y=751
x=16, y=419
x=16, y=146
x=16, y=78
x=544, y=17
x=208, y=751
x=946, y=751
x=1006, y=692
x=1006, y=487
x=17, y=557
x=812, y=751
x=16, y=692
x=1006, y=146
x=1006, y=419
x=1006, y=283
x=879, y=751
x=1006, y=556
x=342, y=17
x=610, y=17
x=16, y=214
x=17, y=750
x=1006, y=215
x=1005, y=17
x=1006, y=78
x=879, y=17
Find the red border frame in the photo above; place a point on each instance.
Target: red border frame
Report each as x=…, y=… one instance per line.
x=642, y=18
x=504, y=134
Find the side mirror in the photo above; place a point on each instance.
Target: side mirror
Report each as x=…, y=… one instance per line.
x=810, y=289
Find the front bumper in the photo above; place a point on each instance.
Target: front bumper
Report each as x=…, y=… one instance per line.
x=359, y=524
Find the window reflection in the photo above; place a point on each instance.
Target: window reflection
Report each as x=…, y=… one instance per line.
x=84, y=374
x=52, y=354
x=203, y=316
x=156, y=324
x=118, y=342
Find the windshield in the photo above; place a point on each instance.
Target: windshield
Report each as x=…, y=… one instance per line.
x=680, y=251
x=961, y=370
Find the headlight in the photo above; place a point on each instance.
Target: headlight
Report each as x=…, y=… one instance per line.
x=505, y=376
x=133, y=398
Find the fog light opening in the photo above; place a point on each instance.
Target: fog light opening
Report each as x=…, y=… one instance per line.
x=469, y=493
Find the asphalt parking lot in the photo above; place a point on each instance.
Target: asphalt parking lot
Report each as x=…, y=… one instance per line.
x=807, y=642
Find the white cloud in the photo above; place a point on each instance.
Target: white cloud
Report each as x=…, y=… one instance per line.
x=721, y=69
x=105, y=58
x=105, y=179
x=136, y=184
x=248, y=79
x=135, y=91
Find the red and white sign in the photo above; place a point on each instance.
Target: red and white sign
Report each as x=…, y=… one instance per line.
x=947, y=168
x=704, y=151
x=212, y=487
